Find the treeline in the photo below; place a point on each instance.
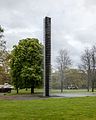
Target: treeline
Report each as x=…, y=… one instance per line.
x=83, y=77
x=23, y=66
x=73, y=79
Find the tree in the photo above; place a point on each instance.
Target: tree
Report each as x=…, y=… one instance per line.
x=75, y=77
x=26, y=64
x=63, y=61
x=4, y=76
x=89, y=65
x=2, y=46
x=86, y=65
x=55, y=80
x=93, y=62
x=4, y=58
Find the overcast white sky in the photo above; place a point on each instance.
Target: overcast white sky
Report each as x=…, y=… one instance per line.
x=73, y=23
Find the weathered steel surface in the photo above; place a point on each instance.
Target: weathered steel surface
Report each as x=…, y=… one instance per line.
x=47, y=54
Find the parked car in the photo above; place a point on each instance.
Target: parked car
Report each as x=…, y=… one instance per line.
x=72, y=87
x=6, y=88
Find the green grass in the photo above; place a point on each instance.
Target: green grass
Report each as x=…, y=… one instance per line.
x=24, y=92
x=83, y=108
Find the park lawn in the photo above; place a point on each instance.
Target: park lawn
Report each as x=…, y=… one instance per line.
x=83, y=108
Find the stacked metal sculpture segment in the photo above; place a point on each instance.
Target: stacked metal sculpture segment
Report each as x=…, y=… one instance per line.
x=47, y=54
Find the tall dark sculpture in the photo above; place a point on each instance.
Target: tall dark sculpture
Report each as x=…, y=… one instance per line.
x=47, y=58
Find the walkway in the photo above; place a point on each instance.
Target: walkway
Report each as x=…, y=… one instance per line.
x=40, y=96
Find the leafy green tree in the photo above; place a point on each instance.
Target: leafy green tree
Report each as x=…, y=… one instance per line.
x=75, y=77
x=26, y=64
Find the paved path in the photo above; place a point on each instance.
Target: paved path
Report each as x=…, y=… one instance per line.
x=40, y=96
x=22, y=97
x=73, y=94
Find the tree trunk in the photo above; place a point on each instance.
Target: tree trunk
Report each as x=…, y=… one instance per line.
x=93, y=79
x=26, y=84
x=62, y=78
x=26, y=88
x=88, y=88
x=88, y=78
x=61, y=86
x=32, y=87
x=17, y=90
x=88, y=85
x=93, y=86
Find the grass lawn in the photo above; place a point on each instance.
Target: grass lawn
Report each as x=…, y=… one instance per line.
x=83, y=108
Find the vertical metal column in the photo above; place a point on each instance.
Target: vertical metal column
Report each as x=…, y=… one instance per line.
x=47, y=61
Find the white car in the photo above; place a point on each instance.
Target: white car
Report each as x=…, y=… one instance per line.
x=6, y=85
x=6, y=88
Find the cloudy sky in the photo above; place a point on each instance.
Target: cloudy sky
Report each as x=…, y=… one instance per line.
x=73, y=23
